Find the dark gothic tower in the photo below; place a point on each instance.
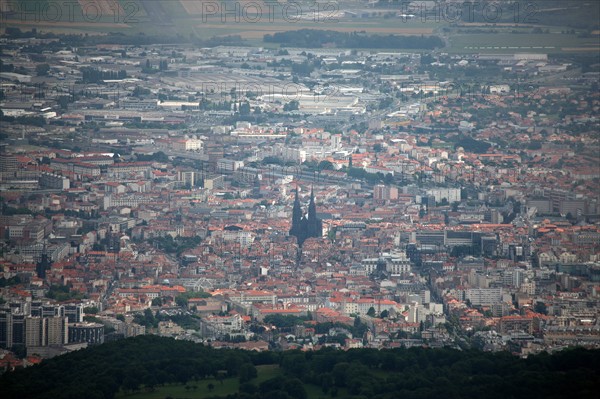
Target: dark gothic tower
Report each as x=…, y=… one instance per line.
x=256, y=187
x=43, y=265
x=307, y=226
x=312, y=208
x=314, y=225
x=296, y=217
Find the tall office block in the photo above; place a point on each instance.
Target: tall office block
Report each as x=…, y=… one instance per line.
x=35, y=334
x=57, y=329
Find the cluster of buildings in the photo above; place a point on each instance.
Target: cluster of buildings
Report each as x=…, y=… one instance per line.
x=47, y=329
x=433, y=218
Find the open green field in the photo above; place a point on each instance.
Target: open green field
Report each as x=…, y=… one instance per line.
x=200, y=390
x=225, y=387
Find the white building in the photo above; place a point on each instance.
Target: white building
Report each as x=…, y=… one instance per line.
x=287, y=154
x=451, y=194
x=499, y=89
x=229, y=165
x=187, y=144
x=484, y=296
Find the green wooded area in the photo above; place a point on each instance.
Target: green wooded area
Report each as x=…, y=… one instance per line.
x=146, y=362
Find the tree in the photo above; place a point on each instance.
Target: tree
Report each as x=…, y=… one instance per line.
x=42, y=69
x=157, y=301
x=325, y=165
x=455, y=204
x=140, y=91
x=569, y=216
x=272, y=160
x=296, y=365
x=339, y=374
x=540, y=307
x=389, y=178
x=371, y=312
x=326, y=382
x=292, y=106
x=130, y=383
x=19, y=350
x=147, y=319
x=181, y=300
x=245, y=108
x=384, y=314
x=4, y=282
x=359, y=328
x=63, y=102
x=295, y=388
x=247, y=372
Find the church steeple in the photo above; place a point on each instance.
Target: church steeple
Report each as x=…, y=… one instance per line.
x=296, y=212
x=307, y=226
x=312, y=208
x=44, y=264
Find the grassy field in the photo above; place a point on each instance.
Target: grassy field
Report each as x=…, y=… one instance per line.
x=224, y=387
x=228, y=386
x=179, y=391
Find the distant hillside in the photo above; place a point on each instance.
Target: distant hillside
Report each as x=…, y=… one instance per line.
x=143, y=364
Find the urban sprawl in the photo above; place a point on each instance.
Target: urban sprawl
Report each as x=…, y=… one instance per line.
x=278, y=198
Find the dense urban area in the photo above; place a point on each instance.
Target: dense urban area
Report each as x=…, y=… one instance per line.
x=318, y=189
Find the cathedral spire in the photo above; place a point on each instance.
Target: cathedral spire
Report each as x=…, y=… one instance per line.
x=312, y=208
x=307, y=226
x=296, y=215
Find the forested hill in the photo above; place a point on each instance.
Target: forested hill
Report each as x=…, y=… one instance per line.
x=144, y=363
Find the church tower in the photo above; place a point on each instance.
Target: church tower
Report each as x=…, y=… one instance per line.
x=296, y=216
x=314, y=225
x=43, y=265
x=308, y=225
x=312, y=208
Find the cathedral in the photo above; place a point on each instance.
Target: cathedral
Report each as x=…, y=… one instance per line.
x=306, y=226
